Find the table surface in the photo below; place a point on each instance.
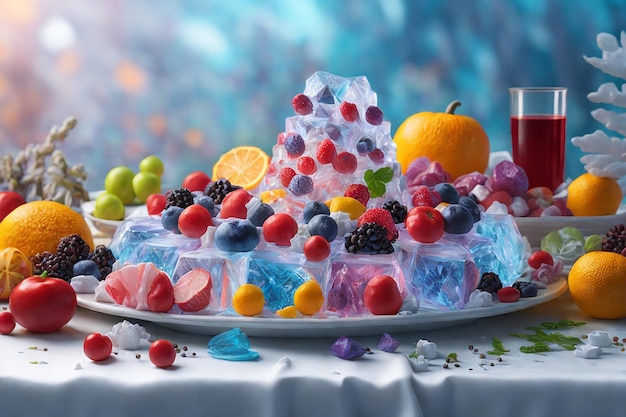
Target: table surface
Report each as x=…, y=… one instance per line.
x=48, y=374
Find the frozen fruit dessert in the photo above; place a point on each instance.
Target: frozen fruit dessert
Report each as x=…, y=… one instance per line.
x=333, y=210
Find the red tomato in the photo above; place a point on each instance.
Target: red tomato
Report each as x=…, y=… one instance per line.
x=425, y=224
x=540, y=257
x=162, y=353
x=316, y=248
x=382, y=295
x=155, y=203
x=7, y=322
x=234, y=204
x=41, y=304
x=508, y=295
x=196, y=181
x=97, y=347
x=194, y=221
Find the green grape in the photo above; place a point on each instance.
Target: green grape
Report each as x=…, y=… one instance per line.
x=593, y=243
x=569, y=233
x=552, y=243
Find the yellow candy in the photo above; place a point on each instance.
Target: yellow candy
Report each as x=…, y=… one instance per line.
x=309, y=297
x=347, y=205
x=288, y=312
x=270, y=196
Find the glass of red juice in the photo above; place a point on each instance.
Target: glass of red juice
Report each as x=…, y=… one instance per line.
x=538, y=133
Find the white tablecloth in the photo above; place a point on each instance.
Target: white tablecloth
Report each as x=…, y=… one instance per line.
x=49, y=375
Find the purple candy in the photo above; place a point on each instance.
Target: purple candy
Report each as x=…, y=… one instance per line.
x=510, y=178
x=346, y=348
x=294, y=145
x=301, y=184
x=388, y=343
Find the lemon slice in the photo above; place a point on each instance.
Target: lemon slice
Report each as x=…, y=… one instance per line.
x=244, y=166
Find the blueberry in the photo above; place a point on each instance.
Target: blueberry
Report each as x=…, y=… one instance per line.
x=448, y=192
x=314, y=208
x=86, y=267
x=526, y=289
x=301, y=185
x=236, y=236
x=208, y=203
x=323, y=225
x=365, y=146
x=294, y=145
x=471, y=205
x=457, y=219
x=259, y=212
x=169, y=218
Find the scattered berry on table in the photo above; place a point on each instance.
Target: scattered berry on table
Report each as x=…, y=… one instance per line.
x=302, y=104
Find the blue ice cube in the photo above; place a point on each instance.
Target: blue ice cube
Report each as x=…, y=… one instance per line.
x=509, y=244
x=163, y=251
x=485, y=254
x=130, y=236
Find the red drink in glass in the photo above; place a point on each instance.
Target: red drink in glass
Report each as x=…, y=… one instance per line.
x=538, y=143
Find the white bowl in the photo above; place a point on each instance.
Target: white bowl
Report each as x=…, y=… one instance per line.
x=108, y=227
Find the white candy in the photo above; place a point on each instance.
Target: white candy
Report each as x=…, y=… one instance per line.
x=420, y=364
x=426, y=348
x=587, y=351
x=599, y=338
x=479, y=298
x=126, y=335
x=84, y=284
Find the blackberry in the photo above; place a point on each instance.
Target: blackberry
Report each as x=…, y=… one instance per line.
x=397, y=210
x=615, y=240
x=181, y=197
x=104, y=258
x=490, y=282
x=368, y=238
x=54, y=264
x=217, y=190
x=73, y=249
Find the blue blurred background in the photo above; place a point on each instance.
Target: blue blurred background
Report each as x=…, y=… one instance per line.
x=188, y=80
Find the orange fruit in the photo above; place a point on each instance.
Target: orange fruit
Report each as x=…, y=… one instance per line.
x=38, y=226
x=597, y=283
x=308, y=297
x=244, y=166
x=589, y=195
x=14, y=267
x=248, y=300
x=457, y=142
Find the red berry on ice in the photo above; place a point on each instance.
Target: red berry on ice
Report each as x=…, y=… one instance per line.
x=302, y=104
x=349, y=111
x=286, y=174
x=377, y=156
x=306, y=165
x=382, y=217
x=424, y=196
x=326, y=151
x=345, y=163
x=359, y=192
x=374, y=115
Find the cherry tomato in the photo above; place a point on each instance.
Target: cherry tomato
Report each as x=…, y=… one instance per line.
x=540, y=257
x=425, y=224
x=508, y=295
x=196, y=181
x=155, y=203
x=162, y=353
x=382, y=295
x=194, y=221
x=97, y=347
x=316, y=248
x=7, y=322
x=42, y=304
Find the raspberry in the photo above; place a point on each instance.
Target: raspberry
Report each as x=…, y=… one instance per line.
x=382, y=217
x=424, y=196
x=301, y=185
x=349, y=111
x=286, y=174
x=344, y=163
x=294, y=145
x=326, y=151
x=306, y=165
x=302, y=104
x=373, y=115
x=377, y=156
x=358, y=192
x=365, y=146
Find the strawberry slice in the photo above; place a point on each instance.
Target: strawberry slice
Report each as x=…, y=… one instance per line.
x=192, y=292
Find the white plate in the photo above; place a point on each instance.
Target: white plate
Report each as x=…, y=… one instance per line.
x=313, y=327
x=108, y=227
x=535, y=228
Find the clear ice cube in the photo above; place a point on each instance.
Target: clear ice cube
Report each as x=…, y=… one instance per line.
x=163, y=251
x=131, y=235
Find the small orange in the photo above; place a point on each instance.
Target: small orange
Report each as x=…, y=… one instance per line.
x=589, y=195
x=244, y=166
x=457, y=142
x=597, y=283
x=14, y=267
x=308, y=297
x=38, y=226
x=248, y=300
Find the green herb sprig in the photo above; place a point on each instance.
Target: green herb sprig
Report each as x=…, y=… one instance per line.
x=376, y=180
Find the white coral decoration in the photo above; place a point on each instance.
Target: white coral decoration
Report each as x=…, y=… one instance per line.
x=607, y=155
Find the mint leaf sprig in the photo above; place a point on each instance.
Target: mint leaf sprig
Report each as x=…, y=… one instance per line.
x=543, y=340
x=498, y=347
x=376, y=180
